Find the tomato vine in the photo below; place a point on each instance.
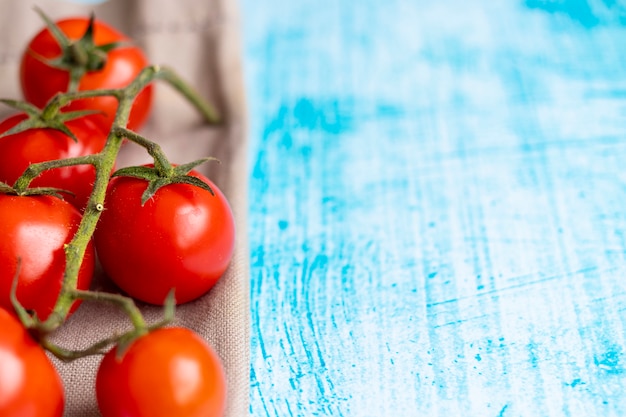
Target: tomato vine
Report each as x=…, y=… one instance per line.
x=103, y=162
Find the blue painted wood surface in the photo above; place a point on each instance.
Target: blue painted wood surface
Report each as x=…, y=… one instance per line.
x=438, y=207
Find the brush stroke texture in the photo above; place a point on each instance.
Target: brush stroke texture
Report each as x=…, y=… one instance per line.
x=438, y=207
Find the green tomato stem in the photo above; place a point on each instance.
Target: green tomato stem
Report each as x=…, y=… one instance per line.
x=125, y=303
x=100, y=347
x=33, y=170
x=67, y=355
x=161, y=163
x=209, y=112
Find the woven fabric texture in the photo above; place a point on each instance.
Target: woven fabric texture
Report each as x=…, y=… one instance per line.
x=200, y=41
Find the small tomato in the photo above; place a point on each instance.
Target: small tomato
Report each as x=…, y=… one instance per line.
x=19, y=150
x=168, y=372
x=40, y=81
x=182, y=238
x=35, y=229
x=29, y=383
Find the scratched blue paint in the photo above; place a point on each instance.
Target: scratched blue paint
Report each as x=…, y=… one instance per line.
x=588, y=13
x=437, y=196
x=578, y=10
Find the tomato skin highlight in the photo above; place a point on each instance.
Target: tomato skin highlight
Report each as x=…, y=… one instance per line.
x=19, y=150
x=168, y=372
x=40, y=81
x=29, y=383
x=35, y=230
x=181, y=238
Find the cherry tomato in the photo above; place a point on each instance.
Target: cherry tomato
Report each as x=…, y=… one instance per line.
x=168, y=372
x=29, y=383
x=35, y=229
x=181, y=238
x=18, y=151
x=40, y=81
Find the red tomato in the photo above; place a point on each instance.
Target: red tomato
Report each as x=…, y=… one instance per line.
x=41, y=81
x=29, y=383
x=19, y=150
x=168, y=372
x=181, y=238
x=35, y=229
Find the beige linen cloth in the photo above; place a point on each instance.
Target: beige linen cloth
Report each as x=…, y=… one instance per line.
x=199, y=39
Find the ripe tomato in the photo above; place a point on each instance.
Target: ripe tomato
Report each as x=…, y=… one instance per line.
x=19, y=150
x=181, y=238
x=35, y=229
x=29, y=383
x=168, y=372
x=40, y=81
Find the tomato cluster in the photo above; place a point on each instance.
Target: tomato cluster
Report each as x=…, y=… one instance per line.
x=161, y=229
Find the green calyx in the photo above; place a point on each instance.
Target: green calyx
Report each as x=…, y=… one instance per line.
x=56, y=192
x=77, y=57
x=160, y=176
x=48, y=118
x=163, y=172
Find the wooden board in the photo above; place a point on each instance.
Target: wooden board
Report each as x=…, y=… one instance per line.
x=437, y=207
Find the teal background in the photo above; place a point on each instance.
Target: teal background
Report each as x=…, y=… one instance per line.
x=437, y=199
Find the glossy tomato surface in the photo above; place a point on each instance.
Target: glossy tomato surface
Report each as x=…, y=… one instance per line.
x=29, y=383
x=35, y=230
x=40, y=81
x=169, y=372
x=182, y=238
x=19, y=150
